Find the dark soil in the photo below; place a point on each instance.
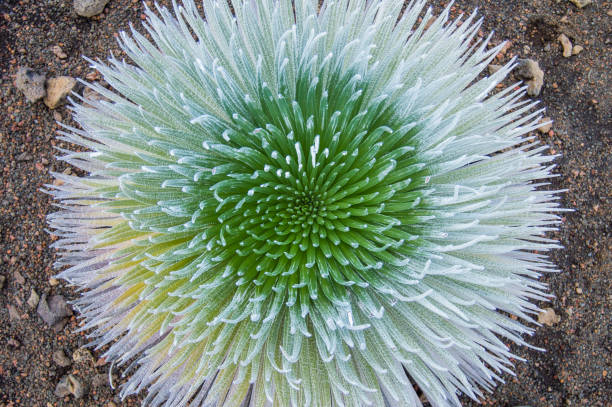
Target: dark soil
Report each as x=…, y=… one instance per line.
x=576, y=368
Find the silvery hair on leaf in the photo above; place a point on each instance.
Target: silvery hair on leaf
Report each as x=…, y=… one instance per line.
x=303, y=204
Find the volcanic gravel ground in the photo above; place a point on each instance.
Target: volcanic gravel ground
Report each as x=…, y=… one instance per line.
x=574, y=371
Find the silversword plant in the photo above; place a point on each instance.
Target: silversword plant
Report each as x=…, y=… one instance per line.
x=303, y=204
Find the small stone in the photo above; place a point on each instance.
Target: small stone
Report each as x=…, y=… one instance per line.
x=82, y=355
x=53, y=281
x=529, y=70
x=548, y=317
x=494, y=68
x=57, y=116
x=18, y=277
x=111, y=404
x=581, y=3
x=33, y=300
x=577, y=49
x=31, y=83
x=2, y=280
x=89, y=8
x=57, y=90
x=60, y=358
x=58, y=52
x=70, y=385
x=13, y=312
x=53, y=310
x=546, y=125
x=579, y=290
x=25, y=156
x=567, y=45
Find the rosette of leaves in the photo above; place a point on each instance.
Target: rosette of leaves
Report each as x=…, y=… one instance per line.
x=303, y=204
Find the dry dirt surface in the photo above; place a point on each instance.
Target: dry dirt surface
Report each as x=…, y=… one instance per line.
x=574, y=371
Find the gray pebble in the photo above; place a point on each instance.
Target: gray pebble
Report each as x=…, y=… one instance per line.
x=89, y=8
x=53, y=309
x=82, y=355
x=25, y=156
x=529, y=71
x=19, y=279
x=60, y=358
x=59, y=52
x=13, y=312
x=31, y=83
x=70, y=385
x=33, y=300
